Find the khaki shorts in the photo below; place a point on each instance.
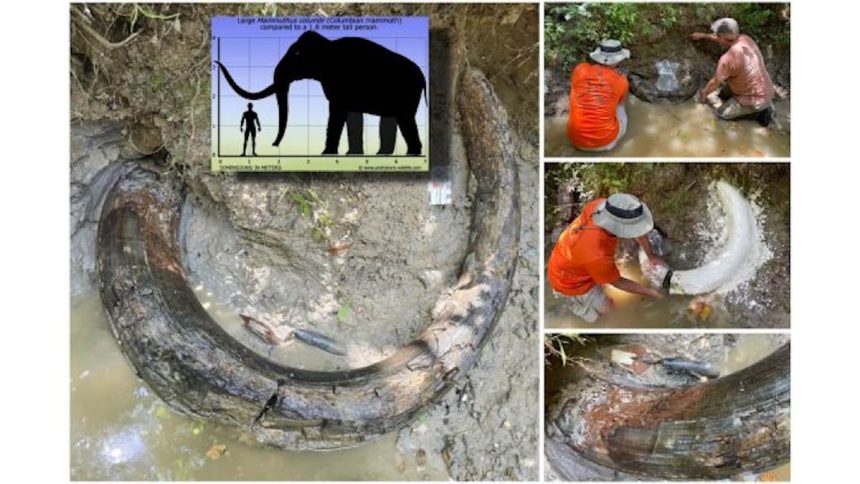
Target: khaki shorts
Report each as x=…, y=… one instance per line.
x=588, y=306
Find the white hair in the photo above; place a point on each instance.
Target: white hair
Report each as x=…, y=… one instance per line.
x=725, y=26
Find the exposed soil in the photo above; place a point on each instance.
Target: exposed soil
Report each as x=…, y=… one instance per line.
x=369, y=260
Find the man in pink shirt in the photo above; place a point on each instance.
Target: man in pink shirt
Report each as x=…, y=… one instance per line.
x=747, y=90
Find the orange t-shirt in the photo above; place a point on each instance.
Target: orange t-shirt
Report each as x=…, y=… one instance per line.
x=583, y=257
x=742, y=68
x=595, y=91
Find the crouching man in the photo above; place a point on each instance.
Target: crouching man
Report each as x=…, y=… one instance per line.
x=583, y=260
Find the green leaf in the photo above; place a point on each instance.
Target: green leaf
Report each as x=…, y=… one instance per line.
x=303, y=203
x=343, y=312
x=161, y=412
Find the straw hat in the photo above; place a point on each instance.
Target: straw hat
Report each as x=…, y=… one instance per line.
x=609, y=53
x=624, y=216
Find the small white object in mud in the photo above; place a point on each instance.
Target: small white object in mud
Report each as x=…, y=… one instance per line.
x=622, y=357
x=738, y=247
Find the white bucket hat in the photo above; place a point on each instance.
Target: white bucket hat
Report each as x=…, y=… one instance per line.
x=624, y=216
x=609, y=53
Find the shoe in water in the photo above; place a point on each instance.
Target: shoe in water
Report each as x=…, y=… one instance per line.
x=765, y=117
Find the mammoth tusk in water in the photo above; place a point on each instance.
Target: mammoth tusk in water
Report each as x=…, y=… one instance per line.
x=736, y=256
x=714, y=430
x=199, y=369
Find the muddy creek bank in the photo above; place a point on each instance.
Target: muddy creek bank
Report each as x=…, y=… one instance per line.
x=364, y=264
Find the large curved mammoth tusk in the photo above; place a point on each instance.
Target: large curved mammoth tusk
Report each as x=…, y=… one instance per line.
x=736, y=254
x=714, y=430
x=197, y=368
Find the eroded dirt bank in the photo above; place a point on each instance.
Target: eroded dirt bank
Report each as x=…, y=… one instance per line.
x=366, y=258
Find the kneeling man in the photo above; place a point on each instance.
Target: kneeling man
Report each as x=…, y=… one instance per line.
x=741, y=86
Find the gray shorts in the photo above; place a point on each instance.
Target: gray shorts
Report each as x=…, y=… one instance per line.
x=588, y=306
x=731, y=108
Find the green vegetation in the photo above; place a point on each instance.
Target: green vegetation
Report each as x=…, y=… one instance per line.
x=558, y=345
x=138, y=11
x=605, y=179
x=599, y=179
x=572, y=30
x=555, y=175
x=675, y=192
x=305, y=201
x=311, y=206
x=343, y=312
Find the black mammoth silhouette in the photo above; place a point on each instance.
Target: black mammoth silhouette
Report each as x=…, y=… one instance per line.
x=357, y=76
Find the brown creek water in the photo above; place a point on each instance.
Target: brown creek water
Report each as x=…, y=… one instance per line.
x=678, y=130
x=120, y=430
x=634, y=311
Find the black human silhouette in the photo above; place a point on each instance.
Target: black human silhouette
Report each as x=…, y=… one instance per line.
x=251, y=122
x=357, y=76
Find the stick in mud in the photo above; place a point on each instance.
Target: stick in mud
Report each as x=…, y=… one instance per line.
x=319, y=341
x=267, y=333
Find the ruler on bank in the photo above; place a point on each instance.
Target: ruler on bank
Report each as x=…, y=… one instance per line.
x=440, y=185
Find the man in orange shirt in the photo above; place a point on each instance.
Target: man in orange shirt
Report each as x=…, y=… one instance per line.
x=598, y=92
x=747, y=90
x=583, y=259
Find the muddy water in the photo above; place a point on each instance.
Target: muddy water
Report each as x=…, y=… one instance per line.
x=121, y=431
x=292, y=352
x=685, y=129
x=634, y=311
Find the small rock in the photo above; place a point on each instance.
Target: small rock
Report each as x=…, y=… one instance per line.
x=216, y=451
x=401, y=464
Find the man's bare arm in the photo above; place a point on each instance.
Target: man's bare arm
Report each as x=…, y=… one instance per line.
x=710, y=87
x=242, y=123
x=704, y=36
x=632, y=286
x=646, y=245
x=259, y=127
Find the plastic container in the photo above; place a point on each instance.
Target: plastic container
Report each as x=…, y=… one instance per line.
x=667, y=80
